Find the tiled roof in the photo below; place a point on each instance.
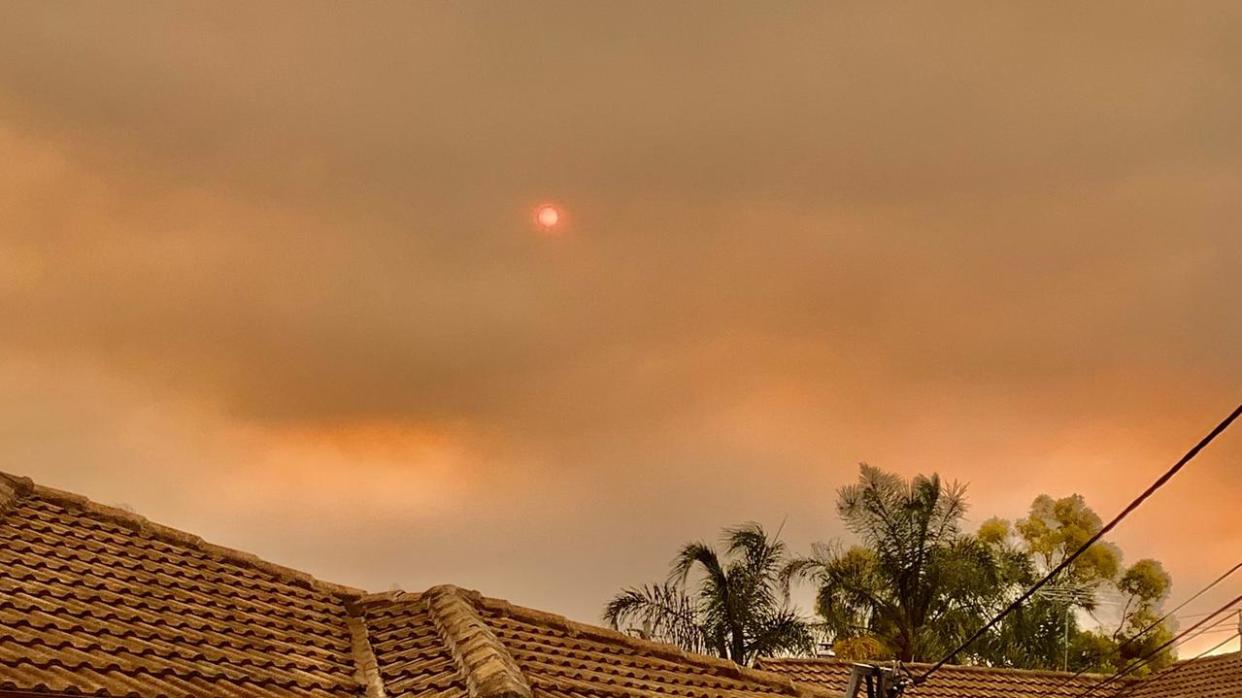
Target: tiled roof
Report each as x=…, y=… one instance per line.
x=454, y=643
x=950, y=681
x=99, y=601
x=1209, y=677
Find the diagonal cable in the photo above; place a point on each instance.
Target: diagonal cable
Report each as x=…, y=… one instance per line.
x=1150, y=656
x=1138, y=501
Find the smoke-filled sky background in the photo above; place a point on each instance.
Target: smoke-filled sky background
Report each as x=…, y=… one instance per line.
x=268, y=273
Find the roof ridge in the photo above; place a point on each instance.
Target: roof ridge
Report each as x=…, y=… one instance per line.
x=1055, y=673
x=368, y=672
x=660, y=649
x=378, y=598
x=14, y=488
x=489, y=669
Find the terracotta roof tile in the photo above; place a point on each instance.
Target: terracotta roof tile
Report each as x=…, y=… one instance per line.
x=1209, y=677
x=99, y=601
x=412, y=658
x=558, y=654
x=452, y=642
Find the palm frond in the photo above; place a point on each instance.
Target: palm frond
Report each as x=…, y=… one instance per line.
x=664, y=611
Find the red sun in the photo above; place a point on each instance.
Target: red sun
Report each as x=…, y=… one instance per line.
x=547, y=216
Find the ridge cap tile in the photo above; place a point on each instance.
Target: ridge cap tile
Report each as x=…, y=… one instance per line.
x=490, y=671
x=368, y=673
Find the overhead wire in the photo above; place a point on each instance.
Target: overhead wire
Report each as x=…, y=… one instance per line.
x=1156, y=623
x=1138, y=501
x=1182, y=664
x=1183, y=604
x=1150, y=656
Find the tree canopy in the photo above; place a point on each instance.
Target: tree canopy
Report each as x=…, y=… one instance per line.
x=914, y=585
x=918, y=584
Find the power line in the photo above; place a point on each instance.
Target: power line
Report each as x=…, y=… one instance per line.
x=1156, y=623
x=1150, y=656
x=1197, y=614
x=1224, y=625
x=1222, y=629
x=1206, y=652
x=1102, y=532
x=1201, y=655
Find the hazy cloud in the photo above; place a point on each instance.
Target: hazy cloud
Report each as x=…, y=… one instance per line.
x=277, y=260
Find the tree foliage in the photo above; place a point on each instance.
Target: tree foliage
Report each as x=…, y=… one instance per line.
x=1053, y=530
x=914, y=586
x=918, y=584
x=733, y=606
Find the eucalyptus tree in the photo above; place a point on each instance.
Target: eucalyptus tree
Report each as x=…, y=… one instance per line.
x=1124, y=602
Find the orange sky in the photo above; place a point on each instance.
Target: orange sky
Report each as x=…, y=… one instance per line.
x=269, y=273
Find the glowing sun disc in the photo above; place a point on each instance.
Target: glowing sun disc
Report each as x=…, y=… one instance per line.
x=547, y=216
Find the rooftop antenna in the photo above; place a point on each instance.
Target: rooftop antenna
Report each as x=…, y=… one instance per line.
x=879, y=681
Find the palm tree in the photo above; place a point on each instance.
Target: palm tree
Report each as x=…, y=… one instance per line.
x=734, y=607
x=918, y=585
